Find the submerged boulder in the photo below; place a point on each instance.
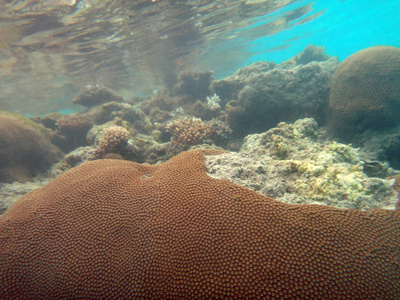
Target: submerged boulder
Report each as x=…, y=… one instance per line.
x=25, y=151
x=269, y=93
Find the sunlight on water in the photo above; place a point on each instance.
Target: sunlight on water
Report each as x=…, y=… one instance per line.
x=50, y=49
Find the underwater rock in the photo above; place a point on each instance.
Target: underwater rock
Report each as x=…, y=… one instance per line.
x=11, y=192
x=196, y=85
x=77, y=156
x=382, y=145
x=50, y=120
x=115, y=229
x=309, y=54
x=239, y=120
x=270, y=93
x=93, y=95
x=203, y=111
x=296, y=163
x=25, y=149
x=72, y=131
x=123, y=111
x=397, y=188
x=365, y=92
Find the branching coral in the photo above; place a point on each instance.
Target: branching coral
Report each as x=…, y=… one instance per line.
x=189, y=131
x=193, y=131
x=114, y=138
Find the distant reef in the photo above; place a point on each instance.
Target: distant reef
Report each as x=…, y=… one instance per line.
x=286, y=127
x=259, y=96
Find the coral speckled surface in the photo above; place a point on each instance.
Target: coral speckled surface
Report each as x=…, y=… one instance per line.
x=113, y=229
x=365, y=92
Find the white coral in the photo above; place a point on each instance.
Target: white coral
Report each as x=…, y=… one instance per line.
x=213, y=102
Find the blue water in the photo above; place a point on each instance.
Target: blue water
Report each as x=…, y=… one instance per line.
x=342, y=27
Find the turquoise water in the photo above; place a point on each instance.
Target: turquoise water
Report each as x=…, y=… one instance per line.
x=342, y=27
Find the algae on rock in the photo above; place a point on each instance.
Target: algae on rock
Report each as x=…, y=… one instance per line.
x=296, y=163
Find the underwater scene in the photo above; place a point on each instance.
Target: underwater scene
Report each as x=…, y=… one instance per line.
x=160, y=149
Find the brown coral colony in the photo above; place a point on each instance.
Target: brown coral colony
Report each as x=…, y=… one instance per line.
x=114, y=228
x=169, y=231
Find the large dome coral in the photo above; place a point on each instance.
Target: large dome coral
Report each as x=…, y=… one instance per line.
x=365, y=91
x=24, y=150
x=114, y=229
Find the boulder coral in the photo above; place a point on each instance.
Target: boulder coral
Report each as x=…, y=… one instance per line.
x=25, y=150
x=365, y=92
x=114, y=229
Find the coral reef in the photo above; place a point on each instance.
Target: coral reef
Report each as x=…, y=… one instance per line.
x=382, y=145
x=114, y=138
x=50, y=120
x=213, y=102
x=170, y=231
x=297, y=164
x=365, y=92
x=239, y=120
x=189, y=131
x=397, y=188
x=93, y=95
x=25, y=149
x=271, y=93
x=126, y=112
x=72, y=132
x=195, y=85
x=193, y=131
x=310, y=53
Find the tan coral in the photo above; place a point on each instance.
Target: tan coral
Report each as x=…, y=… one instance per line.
x=189, y=131
x=113, y=138
x=114, y=229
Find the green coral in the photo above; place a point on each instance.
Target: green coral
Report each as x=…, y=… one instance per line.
x=26, y=121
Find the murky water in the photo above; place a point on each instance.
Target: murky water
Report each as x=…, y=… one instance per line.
x=49, y=49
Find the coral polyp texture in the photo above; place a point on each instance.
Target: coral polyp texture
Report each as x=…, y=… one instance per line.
x=365, y=91
x=93, y=95
x=114, y=137
x=114, y=229
x=25, y=150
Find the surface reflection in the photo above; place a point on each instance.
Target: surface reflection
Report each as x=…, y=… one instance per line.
x=50, y=49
